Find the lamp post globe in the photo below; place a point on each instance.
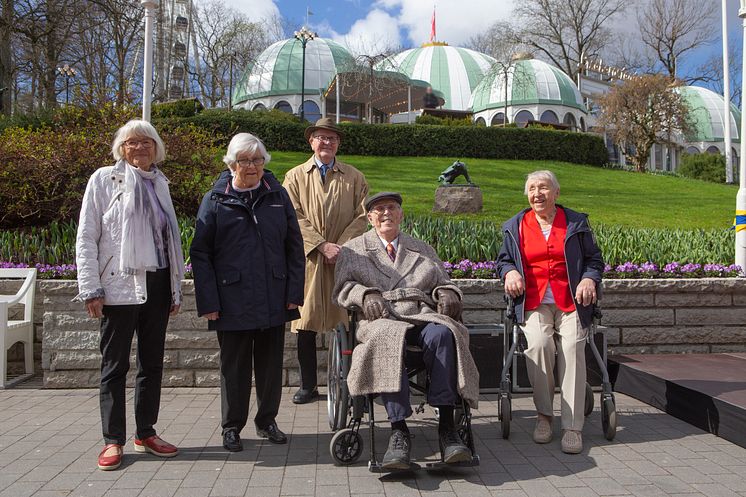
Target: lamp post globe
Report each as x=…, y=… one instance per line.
x=304, y=36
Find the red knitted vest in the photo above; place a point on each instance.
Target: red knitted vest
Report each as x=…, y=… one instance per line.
x=544, y=262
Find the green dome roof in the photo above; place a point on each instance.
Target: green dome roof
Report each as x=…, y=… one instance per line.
x=707, y=114
x=453, y=71
x=277, y=70
x=530, y=82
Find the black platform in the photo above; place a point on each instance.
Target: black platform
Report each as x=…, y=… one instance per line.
x=705, y=390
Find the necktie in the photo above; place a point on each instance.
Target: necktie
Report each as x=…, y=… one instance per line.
x=391, y=251
x=322, y=170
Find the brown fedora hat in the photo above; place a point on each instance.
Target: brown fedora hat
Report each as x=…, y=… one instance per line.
x=323, y=123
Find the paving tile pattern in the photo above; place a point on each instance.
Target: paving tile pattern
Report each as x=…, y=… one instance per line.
x=49, y=440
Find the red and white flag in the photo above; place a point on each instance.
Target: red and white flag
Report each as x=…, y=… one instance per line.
x=432, y=27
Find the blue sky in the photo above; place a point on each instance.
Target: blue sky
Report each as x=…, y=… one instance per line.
x=369, y=26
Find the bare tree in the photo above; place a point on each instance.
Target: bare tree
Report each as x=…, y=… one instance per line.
x=669, y=29
x=644, y=110
x=712, y=72
x=563, y=30
x=226, y=41
x=6, y=55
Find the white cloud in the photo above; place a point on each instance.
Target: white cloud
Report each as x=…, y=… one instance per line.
x=375, y=33
x=456, y=20
x=256, y=10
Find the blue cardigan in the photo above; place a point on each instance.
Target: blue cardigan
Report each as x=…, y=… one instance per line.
x=582, y=256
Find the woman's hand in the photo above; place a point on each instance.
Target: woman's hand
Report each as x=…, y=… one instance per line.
x=95, y=307
x=514, y=285
x=290, y=307
x=174, y=309
x=211, y=316
x=586, y=293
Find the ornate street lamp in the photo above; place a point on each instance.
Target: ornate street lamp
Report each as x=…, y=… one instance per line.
x=304, y=36
x=68, y=72
x=741, y=196
x=147, y=78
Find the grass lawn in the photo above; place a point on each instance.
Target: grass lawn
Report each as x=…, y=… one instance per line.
x=609, y=196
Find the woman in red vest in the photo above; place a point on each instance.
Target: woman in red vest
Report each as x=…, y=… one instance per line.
x=552, y=267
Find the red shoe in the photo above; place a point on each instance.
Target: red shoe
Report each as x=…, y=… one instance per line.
x=108, y=463
x=156, y=446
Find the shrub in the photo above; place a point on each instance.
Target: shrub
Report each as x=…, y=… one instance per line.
x=185, y=107
x=443, y=121
x=414, y=140
x=707, y=167
x=45, y=169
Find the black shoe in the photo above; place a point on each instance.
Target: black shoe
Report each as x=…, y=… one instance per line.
x=232, y=441
x=397, y=454
x=273, y=434
x=303, y=396
x=452, y=448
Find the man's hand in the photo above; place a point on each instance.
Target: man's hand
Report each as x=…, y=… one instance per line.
x=374, y=307
x=330, y=251
x=514, y=285
x=586, y=293
x=174, y=309
x=449, y=304
x=95, y=307
x=211, y=316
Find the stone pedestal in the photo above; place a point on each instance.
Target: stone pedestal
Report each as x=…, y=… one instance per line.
x=457, y=199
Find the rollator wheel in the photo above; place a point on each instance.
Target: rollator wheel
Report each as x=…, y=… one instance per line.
x=346, y=446
x=338, y=397
x=505, y=415
x=608, y=417
x=588, y=399
x=462, y=425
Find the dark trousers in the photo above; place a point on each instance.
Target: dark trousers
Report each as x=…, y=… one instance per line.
x=238, y=349
x=118, y=326
x=439, y=355
x=307, y=359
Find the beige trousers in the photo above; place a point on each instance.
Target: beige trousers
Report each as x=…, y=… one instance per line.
x=548, y=331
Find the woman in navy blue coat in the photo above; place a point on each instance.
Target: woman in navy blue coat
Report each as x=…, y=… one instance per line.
x=248, y=263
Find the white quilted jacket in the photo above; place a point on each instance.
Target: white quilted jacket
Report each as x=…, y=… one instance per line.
x=99, y=239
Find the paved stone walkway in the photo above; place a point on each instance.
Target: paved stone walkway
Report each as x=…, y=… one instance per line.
x=49, y=440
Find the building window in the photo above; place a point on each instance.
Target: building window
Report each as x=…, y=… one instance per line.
x=480, y=122
x=311, y=111
x=582, y=124
x=498, y=119
x=570, y=121
x=283, y=106
x=549, y=117
x=692, y=150
x=259, y=106
x=712, y=149
x=523, y=117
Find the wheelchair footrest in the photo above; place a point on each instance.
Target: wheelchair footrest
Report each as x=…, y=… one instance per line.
x=377, y=468
x=474, y=461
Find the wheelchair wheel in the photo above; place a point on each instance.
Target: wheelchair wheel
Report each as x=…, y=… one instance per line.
x=505, y=414
x=608, y=417
x=346, y=446
x=338, y=397
x=588, y=399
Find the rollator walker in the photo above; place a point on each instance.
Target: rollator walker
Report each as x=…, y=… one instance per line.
x=514, y=344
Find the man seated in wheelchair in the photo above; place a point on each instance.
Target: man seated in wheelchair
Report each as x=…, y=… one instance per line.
x=407, y=299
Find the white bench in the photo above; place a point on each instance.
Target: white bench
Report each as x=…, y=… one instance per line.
x=14, y=331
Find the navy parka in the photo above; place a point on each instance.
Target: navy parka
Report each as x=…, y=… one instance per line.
x=582, y=257
x=247, y=257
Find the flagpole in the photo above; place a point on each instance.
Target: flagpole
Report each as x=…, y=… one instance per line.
x=726, y=101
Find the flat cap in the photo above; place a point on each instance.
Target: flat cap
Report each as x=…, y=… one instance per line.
x=372, y=199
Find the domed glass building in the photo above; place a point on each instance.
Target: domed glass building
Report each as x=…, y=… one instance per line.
x=708, y=118
x=273, y=81
x=536, y=91
x=452, y=71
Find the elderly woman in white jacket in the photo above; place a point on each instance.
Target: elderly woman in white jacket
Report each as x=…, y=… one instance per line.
x=130, y=265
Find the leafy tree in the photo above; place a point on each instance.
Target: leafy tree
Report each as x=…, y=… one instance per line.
x=642, y=111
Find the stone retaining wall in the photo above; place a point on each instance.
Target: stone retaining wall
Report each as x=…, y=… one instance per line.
x=640, y=316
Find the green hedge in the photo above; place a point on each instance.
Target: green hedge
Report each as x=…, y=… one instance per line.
x=707, y=167
x=417, y=140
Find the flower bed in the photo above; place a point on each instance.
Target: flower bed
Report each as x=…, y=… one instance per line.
x=469, y=270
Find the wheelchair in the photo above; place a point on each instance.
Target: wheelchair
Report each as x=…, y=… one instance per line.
x=346, y=412
x=514, y=344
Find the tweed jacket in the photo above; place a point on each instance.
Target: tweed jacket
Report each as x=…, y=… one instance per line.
x=329, y=212
x=409, y=286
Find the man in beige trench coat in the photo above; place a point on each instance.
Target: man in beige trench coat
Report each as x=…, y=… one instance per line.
x=328, y=196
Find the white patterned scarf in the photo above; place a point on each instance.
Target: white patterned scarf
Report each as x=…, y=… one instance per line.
x=141, y=235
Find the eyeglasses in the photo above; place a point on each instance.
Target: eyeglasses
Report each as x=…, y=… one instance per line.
x=327, y=139
x=147, y=143
x=258, y=162
x=381, y=208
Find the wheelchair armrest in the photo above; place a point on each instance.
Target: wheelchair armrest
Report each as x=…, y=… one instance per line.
x=352, y=313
